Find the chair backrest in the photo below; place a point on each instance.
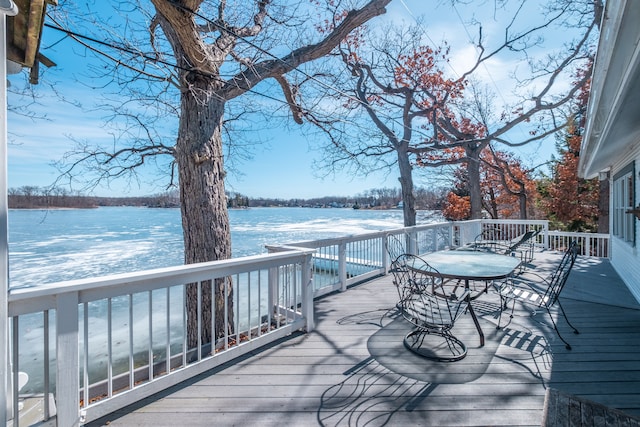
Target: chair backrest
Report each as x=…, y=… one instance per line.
x=558, y=278
x=402, y=274
x=425, y=301
x=396, y=246
x=489, y=235
x=521, y=240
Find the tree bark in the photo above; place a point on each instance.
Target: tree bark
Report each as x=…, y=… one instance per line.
x=406, y=186
x=205, y=219
x=475, y=191
x=522, y=198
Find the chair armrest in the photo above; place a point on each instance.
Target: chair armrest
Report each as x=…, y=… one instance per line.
x=537, y=284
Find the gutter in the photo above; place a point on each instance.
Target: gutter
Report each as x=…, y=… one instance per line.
x=8, y=7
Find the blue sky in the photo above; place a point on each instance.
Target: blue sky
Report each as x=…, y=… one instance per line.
x=283, y=167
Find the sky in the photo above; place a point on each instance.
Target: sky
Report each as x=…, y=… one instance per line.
x=283, y=167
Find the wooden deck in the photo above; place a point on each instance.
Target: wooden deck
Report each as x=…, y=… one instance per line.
x=354, y=371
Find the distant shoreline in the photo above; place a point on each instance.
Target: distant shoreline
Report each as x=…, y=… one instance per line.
x=38, y=198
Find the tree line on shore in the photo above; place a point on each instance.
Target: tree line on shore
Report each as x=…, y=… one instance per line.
x=33, y=197
x=377, y=198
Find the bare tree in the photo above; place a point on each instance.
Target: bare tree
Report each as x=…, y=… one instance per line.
x=204, y=54
x=421, y=116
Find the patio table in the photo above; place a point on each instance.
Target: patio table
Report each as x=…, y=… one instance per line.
x=467, y=266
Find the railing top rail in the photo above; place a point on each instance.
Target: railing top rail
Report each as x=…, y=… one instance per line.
x=361, y=236
x=578, y=234
x=161, y=277
x=469, y=221
x=514, y=221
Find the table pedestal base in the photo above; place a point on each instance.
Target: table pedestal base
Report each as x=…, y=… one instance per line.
x=440, y=346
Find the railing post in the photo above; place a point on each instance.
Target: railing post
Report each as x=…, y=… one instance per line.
x=452, y=235
x=67, y=360
x=468, y=231
x=386, y=261
x=586, y=250
x=342, y=265
x=307, y=292
x=545, y=236
x=412, y=241
x=8, y=8
x=272, y=294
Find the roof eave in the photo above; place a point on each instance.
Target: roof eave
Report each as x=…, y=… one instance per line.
x=612, y=112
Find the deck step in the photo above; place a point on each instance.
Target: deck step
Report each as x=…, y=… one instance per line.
x=563, y=409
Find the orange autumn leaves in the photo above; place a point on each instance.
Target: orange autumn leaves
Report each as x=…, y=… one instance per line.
x=570, y=200
x=507, y=188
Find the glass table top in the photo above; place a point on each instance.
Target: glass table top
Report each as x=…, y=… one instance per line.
x=470, y=265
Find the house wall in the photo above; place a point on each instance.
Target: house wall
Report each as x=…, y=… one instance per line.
x=625, y=258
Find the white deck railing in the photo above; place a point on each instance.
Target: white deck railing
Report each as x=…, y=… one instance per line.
x=342, y=261
x=100, y=344
x=118, y=339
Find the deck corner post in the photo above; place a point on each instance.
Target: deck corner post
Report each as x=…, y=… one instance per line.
x=67, y=360
x=342, y=265
x=412, y=241
x=307, y=292
x=386, y=258
x=7, y=8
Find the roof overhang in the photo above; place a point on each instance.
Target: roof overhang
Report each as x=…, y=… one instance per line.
x=613, y=112
x=24, y=31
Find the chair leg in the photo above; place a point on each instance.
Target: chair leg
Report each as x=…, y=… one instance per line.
x=502, y=304
x=575, y=331
x=566, y=344
x=503, y=307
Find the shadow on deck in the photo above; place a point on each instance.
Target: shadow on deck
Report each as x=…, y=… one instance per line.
x=353, y=370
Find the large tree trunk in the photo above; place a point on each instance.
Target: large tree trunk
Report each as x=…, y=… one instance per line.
x=522, y=198
x=406, y=186
x=205, y=219
x=200, y=54
x=475, y=191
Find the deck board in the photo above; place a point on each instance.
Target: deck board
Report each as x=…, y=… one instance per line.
x=353, y=371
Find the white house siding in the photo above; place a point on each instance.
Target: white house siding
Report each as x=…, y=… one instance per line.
x=625, y=258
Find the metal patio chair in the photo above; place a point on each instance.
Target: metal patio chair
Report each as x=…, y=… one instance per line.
x=396, y=249
x=432, y=309
x=522, y=245
x=396, y=246
x=540, y=292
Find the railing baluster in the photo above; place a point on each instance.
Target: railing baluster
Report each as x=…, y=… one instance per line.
x=226, y=314
x=85, y=334
x=150, y=333
x=259, y=302
x=296, y=295
x=249, y=305
x=342, y=266
x=185, y=337
x=109, y=349
x=131, y=361
x=213, y=316
x=16, y=372
x=237, y=310
x=199, y=319
x=272, y=295
x=168, y=331
x=47, y=371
